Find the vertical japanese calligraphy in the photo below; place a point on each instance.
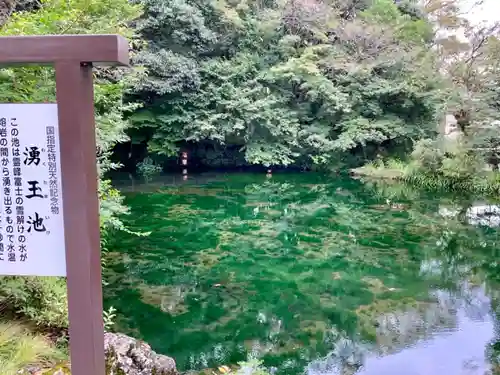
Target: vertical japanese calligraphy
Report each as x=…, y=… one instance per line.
x=53, y=180
x=4, y=153
x=31, y=223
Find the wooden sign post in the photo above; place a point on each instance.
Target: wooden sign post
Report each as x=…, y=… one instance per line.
x=49, y=223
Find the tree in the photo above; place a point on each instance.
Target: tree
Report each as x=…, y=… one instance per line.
x=299, y=81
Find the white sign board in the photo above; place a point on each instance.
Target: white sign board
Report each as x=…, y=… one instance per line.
x=31, y=217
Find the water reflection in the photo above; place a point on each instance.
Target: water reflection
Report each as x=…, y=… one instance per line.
x=450, y=336
x=486, y=215
x=308, y=274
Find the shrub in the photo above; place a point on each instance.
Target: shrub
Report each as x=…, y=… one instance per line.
x=39, y=299
x=148, y=168
x=426, y=155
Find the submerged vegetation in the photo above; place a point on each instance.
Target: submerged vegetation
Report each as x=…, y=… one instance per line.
x=293, y=269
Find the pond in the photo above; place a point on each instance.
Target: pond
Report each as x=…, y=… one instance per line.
x=309, y=273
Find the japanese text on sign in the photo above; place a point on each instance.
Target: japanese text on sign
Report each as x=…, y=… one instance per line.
x=31, y=222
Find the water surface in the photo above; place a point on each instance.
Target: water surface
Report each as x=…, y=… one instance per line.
x=312, y=274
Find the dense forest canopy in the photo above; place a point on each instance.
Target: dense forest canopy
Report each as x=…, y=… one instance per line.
x=300, y=81
x=306, y=82
x=326, y=83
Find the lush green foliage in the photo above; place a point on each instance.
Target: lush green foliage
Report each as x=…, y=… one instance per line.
x=432, y=169
x=458, y=160
x=148, y=168
x=40, y=299
x=308, y=82
x=462, y=156
x=286, y=82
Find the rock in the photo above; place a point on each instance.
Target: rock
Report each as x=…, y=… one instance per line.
x=6, y=8
x=61, y=369
x=30, y=370
x=128, y=356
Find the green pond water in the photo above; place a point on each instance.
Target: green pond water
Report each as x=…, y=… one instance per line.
x=311, y=274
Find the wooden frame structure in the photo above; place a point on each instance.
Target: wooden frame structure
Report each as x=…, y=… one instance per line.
x=73, y=57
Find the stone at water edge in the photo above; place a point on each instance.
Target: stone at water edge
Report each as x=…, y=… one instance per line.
x=128, y=356
x=60, y=369
x=124, y=356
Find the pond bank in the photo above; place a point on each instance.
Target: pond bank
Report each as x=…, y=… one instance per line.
x=379, y=173
x=124, y=355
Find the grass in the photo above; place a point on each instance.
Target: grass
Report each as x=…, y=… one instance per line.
x=19, y=349
x=484, y=182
